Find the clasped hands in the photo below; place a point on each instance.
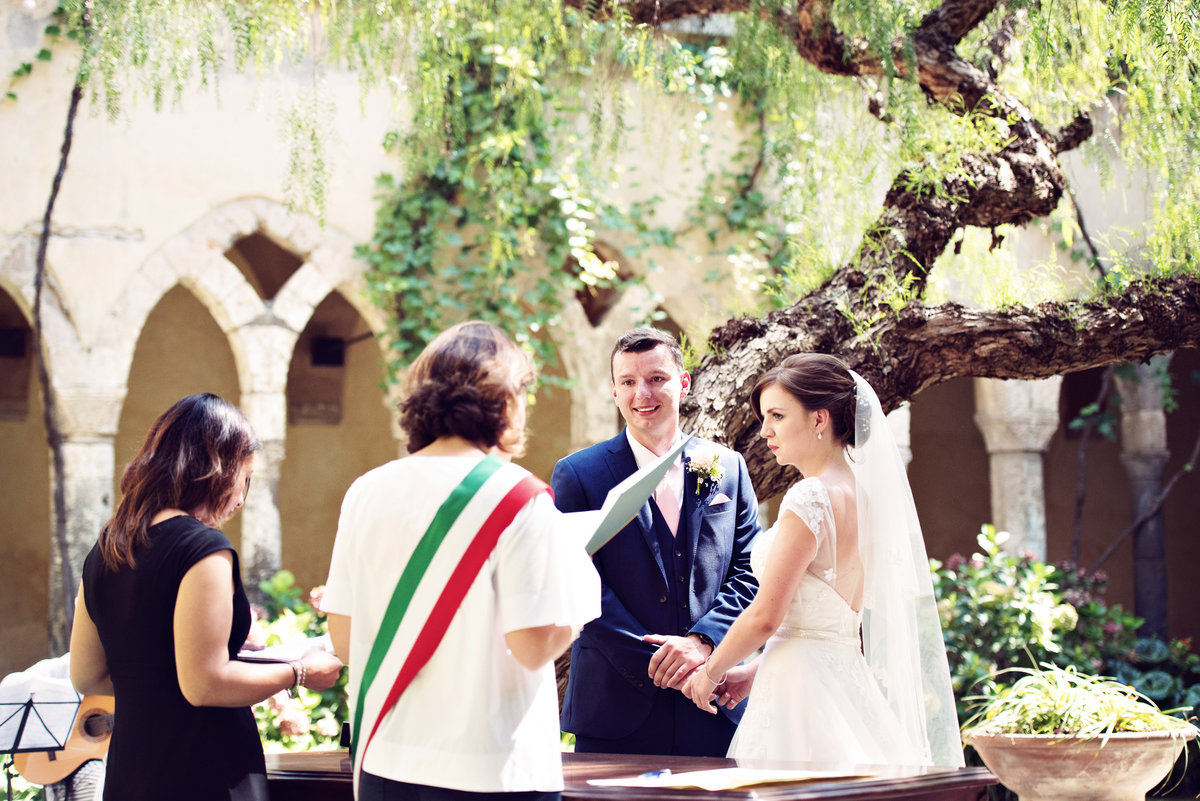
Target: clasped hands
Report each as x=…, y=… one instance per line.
x=678, y=664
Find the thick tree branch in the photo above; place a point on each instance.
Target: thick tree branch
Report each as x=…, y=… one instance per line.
x=1021, y=182
x=941, y=72
x=954, y=19
x=923, y=346
x=999, y=44
x=1074, y=133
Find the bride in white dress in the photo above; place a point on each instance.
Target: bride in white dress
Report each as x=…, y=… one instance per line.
x=853, y=669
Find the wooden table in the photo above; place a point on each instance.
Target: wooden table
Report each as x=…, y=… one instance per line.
x=325, y=776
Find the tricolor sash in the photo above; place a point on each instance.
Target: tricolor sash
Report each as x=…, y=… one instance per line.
x=432, y=585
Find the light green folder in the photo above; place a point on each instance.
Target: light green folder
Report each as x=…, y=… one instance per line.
x=622, y=503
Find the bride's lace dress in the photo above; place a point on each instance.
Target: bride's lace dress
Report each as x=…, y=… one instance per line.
x=813, y=698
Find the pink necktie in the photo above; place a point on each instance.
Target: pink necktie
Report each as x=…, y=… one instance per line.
x=668, y=504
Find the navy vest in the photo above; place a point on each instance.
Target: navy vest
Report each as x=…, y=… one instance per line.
x=677, y=561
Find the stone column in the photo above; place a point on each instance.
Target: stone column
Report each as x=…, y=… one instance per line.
x=1144, y=454
x=1017, y=419
x=87, y=419
x=261, y=551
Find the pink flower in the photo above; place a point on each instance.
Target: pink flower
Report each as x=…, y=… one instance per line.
x=294, y=722
x=1113, y=627
x=328, y=727
x=256, y=638
x=955, y=561
x=315, y=596
x=279, y=701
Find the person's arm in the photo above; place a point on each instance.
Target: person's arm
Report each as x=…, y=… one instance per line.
x=793, y=550
x=207, y=676
x=675, y=658
x=339, y=635
x=616, y=631
x=89, y=663
x=534, y=647
x=737, y=684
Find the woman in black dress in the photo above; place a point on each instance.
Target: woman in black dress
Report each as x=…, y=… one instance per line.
x=161, y=615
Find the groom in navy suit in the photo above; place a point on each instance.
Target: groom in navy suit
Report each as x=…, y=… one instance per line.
x=673, y=580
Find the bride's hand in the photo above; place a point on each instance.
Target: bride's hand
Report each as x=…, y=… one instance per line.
x=736, y=686
x=700, y=690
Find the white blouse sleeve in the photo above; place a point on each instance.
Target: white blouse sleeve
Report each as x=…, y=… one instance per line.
x=543, y=576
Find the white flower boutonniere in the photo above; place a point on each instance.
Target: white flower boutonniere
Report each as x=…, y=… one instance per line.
x=706, y=465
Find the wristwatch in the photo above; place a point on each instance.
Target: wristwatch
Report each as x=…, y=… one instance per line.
x=704, y=638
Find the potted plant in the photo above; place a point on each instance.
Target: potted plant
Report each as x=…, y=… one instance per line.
x=1055, y=733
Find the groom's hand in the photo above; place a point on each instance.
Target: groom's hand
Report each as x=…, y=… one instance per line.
x=675, y=659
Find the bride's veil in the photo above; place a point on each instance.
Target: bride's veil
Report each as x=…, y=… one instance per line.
x=902, y=635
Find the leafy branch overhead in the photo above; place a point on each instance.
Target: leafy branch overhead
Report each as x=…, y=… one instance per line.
x=878, y=137
x=906, y=346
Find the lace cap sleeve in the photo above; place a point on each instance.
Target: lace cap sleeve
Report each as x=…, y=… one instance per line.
x=809, y=500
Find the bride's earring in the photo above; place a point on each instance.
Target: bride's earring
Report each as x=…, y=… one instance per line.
x=818, y=435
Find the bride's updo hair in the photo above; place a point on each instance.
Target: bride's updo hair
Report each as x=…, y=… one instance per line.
x=468, y=382
x=818, y=381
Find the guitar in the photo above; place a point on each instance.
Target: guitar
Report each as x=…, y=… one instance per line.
x=88, y=740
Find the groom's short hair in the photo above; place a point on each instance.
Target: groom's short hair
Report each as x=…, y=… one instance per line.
x=640, y=340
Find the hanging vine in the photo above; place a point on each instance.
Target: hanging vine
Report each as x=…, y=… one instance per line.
x=496, y=215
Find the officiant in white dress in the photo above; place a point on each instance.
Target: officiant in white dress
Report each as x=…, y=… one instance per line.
x=853, y=669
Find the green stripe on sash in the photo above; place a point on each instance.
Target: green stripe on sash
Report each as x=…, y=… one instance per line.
x=411, y=577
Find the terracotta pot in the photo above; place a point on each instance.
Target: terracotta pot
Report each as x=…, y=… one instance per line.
x=1052, y=767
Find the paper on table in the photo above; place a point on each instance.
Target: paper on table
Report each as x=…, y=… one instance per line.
x=726, y=778
x=286, y=651
x=622, y=503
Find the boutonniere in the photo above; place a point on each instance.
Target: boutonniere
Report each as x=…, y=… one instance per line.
x=706, y=465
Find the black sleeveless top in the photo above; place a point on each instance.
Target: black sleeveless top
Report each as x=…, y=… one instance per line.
x=162, y=747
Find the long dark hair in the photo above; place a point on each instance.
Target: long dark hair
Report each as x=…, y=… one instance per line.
x=189, y=461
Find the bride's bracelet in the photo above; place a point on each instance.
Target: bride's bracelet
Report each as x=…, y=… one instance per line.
x=708, y=675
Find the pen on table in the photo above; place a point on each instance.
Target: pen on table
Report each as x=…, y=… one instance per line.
x=654, y=774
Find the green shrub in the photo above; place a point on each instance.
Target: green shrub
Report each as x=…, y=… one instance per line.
x=1001, y=610
x=23, y=790
x=310, y=720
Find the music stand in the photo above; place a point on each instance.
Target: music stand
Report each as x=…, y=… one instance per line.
x=35, y=715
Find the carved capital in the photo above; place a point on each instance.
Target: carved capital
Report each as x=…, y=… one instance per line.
x=1017, y=416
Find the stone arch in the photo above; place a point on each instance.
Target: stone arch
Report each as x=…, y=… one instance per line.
x=24, y=502
x=333, y=397
x=16, y=291
x=195, y=257
x=261, y=334
x=65, y=349
x=67, y=363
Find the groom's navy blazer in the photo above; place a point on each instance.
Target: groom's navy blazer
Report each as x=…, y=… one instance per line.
x=609, y=692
